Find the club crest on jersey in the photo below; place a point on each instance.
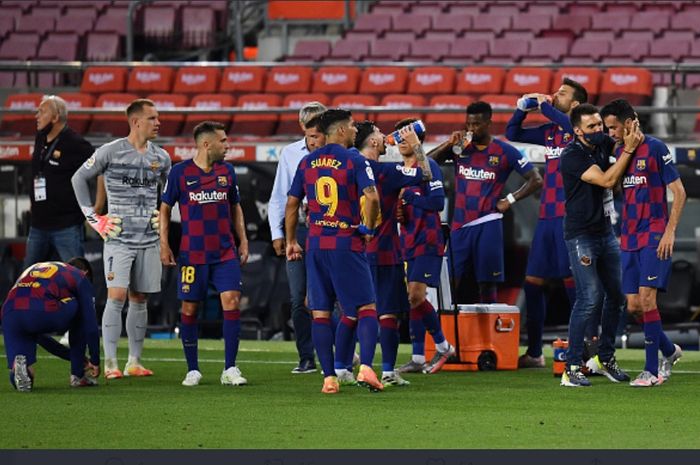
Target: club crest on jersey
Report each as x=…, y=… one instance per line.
x=155, y=166
x=56, y=154
x=641, y=165
x=567, y=137
x=222, y=181
x=494, y=160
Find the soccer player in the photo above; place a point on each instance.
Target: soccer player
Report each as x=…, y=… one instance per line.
x=289, y=159
x=206, y=190
x=133, y=169
x=594, y=252
x=332, y=179
x=548, y=258
x=648, y=236
x=423, y=248
x=481, y=171
x=383, y=250
x=50, y=297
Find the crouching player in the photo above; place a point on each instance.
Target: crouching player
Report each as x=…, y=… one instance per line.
x=52, y=297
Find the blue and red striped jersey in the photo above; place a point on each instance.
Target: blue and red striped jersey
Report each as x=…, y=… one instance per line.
x=206, y=206
x=43, y=286
x=480, y=176
x=385, y=246
x=332, y=179
x=421, y=233
x=645, y=208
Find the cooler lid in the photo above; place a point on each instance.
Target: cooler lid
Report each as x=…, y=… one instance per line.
x=487, y=308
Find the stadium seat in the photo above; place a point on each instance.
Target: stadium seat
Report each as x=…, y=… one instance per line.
x=589, y=48
x=288, y=80
x=375, y=23
x=398, y=36
x=59, y=46
x=243, y=79
x=114, y=19
x=610, y=22
x=449, y=36
x=104, y=79
x=684, y=21
x=388, y=50
x=654, y=21
x=637, y=36
x=588, y=77
x=609, y=36
x=209, y=102
x=684, y=34
x=19, y=46
x=549, y=49
x=451, y=22
x=196, y=80
x=587, y=9
x=289, y=122
x=74, y=101
x=159, y=24
x=79, y=25
x=384, y=80
x=25, y=125
x=509, y=49
x=349, y=49
x=480, y=80
x=494, y=23
x=355, y=103
x=80, y=13
x=439, y=124
x=467, y=50
x=669, y=48
x=413, y=22
x=431, y=80
x=428, y=50
x=519, y=35
x=310, y=50
x=256, y=124
x=391, y=9
x=532, y=22
x=198, y=24
x=115, y=124
x=509, y=10
x=386, y=121
x=500, y=120
x=32, y=23
x=473, y=9
x=150, y=79
x=630, y=50
x=521, y=81
x=624, y=8
x=572, y=22
x=103, y=46
x=170, y=123
x=333, y=80
x=428, y=8
x=633, y=84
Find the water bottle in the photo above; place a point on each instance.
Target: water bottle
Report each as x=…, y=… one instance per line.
x=559, y=362
x=527, y=103
x=394, y=138
x=462, y=144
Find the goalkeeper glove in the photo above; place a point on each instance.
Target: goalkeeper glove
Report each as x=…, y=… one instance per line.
x=155, y=220
x=107, y=226
x=527, y=104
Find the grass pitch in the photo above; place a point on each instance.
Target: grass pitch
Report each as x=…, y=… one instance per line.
x=278, y=410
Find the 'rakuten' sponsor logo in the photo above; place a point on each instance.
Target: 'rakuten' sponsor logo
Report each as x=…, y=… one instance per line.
x=476, y=175
x=238, y=77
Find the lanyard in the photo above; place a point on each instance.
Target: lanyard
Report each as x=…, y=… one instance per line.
x=50, y=150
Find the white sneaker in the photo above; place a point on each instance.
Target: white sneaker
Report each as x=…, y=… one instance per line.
x=232, y=377
x=666, y=363
x=192, y=378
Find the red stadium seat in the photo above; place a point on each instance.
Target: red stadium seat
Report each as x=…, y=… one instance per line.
x=576, y=23
x=403, y=103
x=627, y=49
x=383, y=80
x=74, y=101
x=355, y=103
x=59, y=46
x=375, y=23
x=465, y=9
x=510, y=49
x=79, y=25
x=336, y=80
x=289, y=122
x=532, y=22
x=432, y=80
x=25, y=125
x=83, y=12
x=114, y=124
x=480, y=80
x=288, y=79
x=549, y=49
x=510, y=10
x=103, y=46
x=198, y=26
x=170, y=123
x=633, y=84
x=349, y=49
x=196, y=80
x=104, y=79
x=429, y=50
x=257, y=124
x=655, y=21
x=588, y=77
x=209, y=102
x=243, y=79
x=668, y=48
x=521, y=81
x=150, y=79
x=401, y=36
x=494, y=23
x=438, y=124
x=610, y=22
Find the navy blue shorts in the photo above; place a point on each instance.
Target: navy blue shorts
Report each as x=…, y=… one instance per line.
x=425, y=269
x=194, y=279
x=341, y=275
x=549, y=257
x=481, y=247
x=390, y=285
x=642, y=268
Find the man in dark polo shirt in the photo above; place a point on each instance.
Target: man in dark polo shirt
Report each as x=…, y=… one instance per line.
x=56, y=219
x=594, y=252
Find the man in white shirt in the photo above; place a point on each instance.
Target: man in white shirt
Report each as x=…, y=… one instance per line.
x=296, y=272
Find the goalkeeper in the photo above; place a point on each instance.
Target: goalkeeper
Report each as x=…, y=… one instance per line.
x=133, y=169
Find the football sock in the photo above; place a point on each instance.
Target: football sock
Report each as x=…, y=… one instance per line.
x=232, y=333
x=344, y=342
x=111, y=327
x=189, y=336
x=431, y=321
x=322, y=335
x=367, y=329
x=652, y=330
x=389, y=341
x=136, y=322
x=536, y=311
x=417, y=330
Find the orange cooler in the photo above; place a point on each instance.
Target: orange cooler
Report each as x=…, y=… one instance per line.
x=488, y=337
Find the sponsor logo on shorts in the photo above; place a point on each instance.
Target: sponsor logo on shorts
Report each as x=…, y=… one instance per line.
x=651, y=278
x=496, y=273
x=185, y=288
x=110, y=276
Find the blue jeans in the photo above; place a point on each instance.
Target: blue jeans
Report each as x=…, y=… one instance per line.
x=595, y=265
x=66, y=242
x=301, y=317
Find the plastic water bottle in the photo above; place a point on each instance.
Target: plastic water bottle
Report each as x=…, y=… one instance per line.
x=462, y=144
x=394, y=138
x=559, y=362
